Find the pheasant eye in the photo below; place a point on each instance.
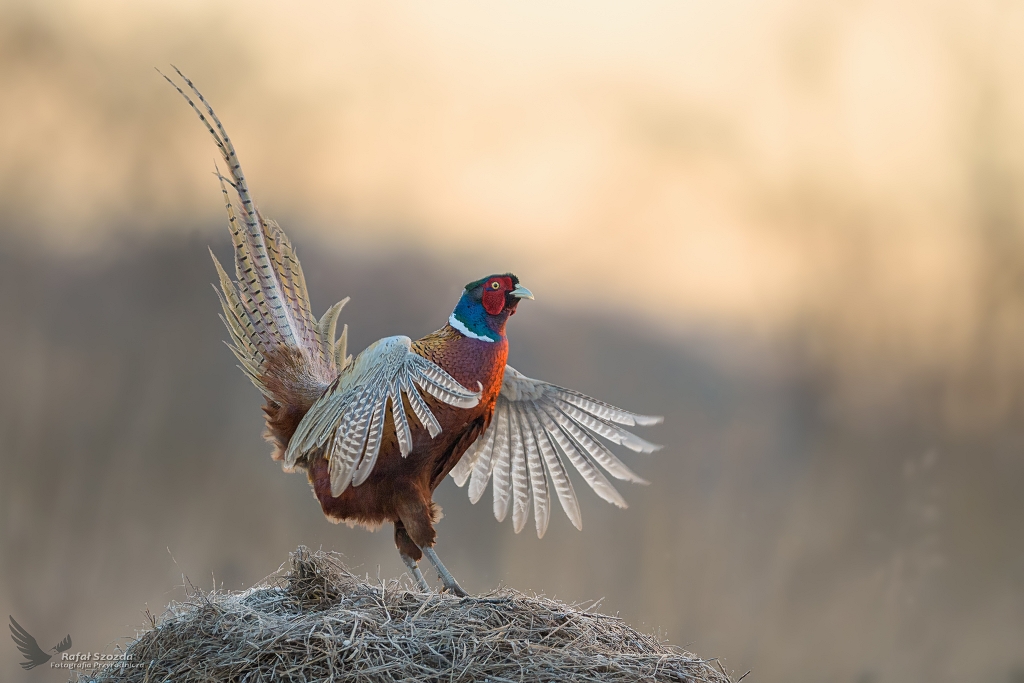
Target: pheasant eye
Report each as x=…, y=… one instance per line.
x=495, y=285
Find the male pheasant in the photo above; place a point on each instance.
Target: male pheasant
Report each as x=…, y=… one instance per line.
x=378, y=433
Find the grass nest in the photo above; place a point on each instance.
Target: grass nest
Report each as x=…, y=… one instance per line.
x=316, y=621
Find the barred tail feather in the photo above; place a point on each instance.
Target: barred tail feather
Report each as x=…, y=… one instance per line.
x=290, y=356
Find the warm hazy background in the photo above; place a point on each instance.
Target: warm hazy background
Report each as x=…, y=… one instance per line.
x=794, y=228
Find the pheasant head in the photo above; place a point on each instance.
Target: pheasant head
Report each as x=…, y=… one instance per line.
x=486, y=305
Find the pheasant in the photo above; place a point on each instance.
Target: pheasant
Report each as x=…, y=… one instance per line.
x=376, y=434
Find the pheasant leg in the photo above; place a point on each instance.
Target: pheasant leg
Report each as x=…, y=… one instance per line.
x=447, y=579
x=417, y=575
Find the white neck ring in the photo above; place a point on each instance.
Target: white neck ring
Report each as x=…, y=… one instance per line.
x=461, y=327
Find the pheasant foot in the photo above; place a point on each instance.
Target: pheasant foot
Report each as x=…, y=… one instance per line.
x=417, y=575
x=450, y=584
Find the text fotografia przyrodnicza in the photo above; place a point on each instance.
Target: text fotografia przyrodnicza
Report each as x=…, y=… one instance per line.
x=93, y=660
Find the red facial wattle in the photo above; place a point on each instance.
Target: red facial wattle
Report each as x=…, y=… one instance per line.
x=494, y=299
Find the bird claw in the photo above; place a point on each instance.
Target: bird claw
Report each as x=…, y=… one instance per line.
x=455, y=589
x=450, y=584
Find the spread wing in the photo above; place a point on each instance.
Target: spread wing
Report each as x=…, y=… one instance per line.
x=34, y=655
x=348, y=421
x=289, y=355
x=536, y=427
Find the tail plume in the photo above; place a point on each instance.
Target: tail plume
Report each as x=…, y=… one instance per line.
x=289, y=355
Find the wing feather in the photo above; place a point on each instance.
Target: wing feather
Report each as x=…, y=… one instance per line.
x=597, y=451
x=556, y=470
x=464, y=467
x=354, y=427
x=483, y=467
x=443, y=386
x=607, y=430
x=535, y=429
x=341, y=463
x=538, y=481
x=402, y=431
x=591, y=474
x=520, y=476
x=606, y=411
x=502, y=455
x=349, y=420
x=321, y=428
x=420, y=408
x=373, y=439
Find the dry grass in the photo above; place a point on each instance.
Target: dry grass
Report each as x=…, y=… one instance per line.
x=316, y=621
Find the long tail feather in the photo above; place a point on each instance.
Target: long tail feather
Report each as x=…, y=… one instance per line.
x=289, y=355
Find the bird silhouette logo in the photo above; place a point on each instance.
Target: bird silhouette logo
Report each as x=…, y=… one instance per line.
x=34, y=655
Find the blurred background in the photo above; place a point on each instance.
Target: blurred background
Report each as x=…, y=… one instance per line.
x=794, y=227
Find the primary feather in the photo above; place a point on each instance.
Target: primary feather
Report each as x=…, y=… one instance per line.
x=548, y=423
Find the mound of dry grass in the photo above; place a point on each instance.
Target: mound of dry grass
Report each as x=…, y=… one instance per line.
x=316, y=621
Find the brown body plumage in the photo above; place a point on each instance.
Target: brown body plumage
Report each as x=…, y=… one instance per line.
x=400, y=490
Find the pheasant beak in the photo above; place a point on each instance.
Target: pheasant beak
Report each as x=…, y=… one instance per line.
x=521, y=292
